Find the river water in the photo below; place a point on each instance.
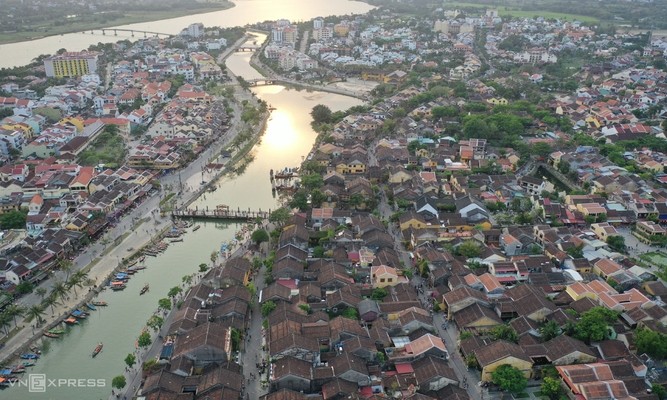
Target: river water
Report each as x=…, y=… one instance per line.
x=245, y=12
x=288, y=137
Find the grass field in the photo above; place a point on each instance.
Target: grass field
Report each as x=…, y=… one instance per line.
x=524, y=14
x=659, y=259
x=38, y=32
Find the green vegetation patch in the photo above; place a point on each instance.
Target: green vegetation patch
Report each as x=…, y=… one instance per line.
x=108, y=148
x=506, y=12
x=657, y=258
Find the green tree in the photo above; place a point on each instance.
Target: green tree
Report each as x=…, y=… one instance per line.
x=551, y=388
x=504, y=332
x=659, y=391
x=13, y=220
x=299, y=200
x=651, y=342
x=144, y=339
x=155, y=322
x=164, y=304
x=35, y=312
x=259, y=236
x=280, y=216
x=509, y=378
x=350, y=313
x=321, y=114
x=593, y=324
x=469, y=249
x=50, y=301
x=118, y=382
x=379, y=293
x=541, y=149
x=616, y=242
x=173, y=292
x=312, y=181
x=130, y=360
x=549, y=330
x=24, y=287
x=576, y=252
x=203, y=267
x=14, y=311
x=268, y=307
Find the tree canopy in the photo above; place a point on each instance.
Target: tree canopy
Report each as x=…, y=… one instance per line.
x=593, y=324
x=509, y=378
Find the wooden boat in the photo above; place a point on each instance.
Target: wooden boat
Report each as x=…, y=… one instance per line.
x=78, y=314
x=144, y=289
x=176, y=240
x=118, y=285
x=28, y=364
x=91, y=306
x=19, y=369
x=51, y=335
x=71, y=321
x=97, y=349
x=29, y=356
x=100, y=303
x=137, y=268
x=196, y=227
x=56, y=331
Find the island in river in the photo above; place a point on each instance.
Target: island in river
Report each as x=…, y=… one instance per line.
x=36, y=20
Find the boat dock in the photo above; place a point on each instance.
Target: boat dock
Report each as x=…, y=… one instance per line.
x=219, y=213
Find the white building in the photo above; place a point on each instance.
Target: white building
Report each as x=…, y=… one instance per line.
x=318, y=23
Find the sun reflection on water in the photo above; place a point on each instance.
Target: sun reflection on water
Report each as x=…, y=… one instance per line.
x=280, y=132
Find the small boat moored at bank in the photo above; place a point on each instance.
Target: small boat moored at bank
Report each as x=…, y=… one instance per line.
x=71, y=321
x=91, y=306
x=100, y=303
x=51, y=335
x=29, y=356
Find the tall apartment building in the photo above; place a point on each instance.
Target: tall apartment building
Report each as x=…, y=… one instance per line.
x=71, y=64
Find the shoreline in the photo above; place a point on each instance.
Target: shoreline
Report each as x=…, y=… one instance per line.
x=149, y=16
x=98, y=269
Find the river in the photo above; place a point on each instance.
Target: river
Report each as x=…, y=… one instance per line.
x=288, y=137
x=244, y=12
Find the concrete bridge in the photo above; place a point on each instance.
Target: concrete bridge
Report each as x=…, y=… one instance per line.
x=131, y=31
x=219, y=213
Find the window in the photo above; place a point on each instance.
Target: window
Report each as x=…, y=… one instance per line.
x=381, y=279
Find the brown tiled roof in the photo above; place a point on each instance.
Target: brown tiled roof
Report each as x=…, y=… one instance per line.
x=220, y=377
x=210, y=334
x=346, y=361
x=463, y=293
x=341, y=326
x=338, y=387
x=288, y=394
x=291, y=366
x=293, y=340
x=582, y=305
x=432, y=368
x=613, y=349
x=474, y=313
x=499, y=350
x=563, y=345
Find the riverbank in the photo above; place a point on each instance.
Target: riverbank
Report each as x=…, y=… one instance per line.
x=109, y=259
x=134, y=18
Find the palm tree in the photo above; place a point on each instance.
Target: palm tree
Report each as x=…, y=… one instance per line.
x=35, y=312
x=15, y=310
x=59, y=290
x=82, y=275
x=5, y=322
x=41, y=292
x=65, y=265
x=50, y=301
x=77, y=280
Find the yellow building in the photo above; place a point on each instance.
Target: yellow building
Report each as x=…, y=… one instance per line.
x=502, y=353
x=70, y=64
x=26, y=129
x=77, y=122
x=382, y=276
